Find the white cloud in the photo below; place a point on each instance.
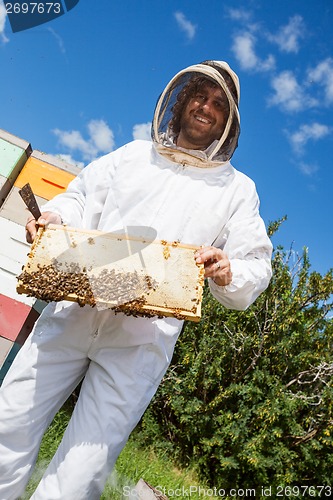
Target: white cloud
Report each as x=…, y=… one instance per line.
x=288, y=36
x=239, y=15
x=100, y=140
x=142, y=131
x=323, y=75
x=101, y=135
x=306, y=133
x=73, y=140
x=3, y=17
x=69, y=159
x=244, y=49
x=185, y=25
x=58, y=39
x=289, y=95
x=308, y=168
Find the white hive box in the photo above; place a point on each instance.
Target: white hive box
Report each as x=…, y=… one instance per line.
x=8, y=281
x=13, y=242
x=13, y=255
x=14, y=251
x=109, y=270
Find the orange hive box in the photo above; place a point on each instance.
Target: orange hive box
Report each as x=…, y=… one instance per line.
x=46, y=180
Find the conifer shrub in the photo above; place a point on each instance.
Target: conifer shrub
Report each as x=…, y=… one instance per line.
x=248, y=397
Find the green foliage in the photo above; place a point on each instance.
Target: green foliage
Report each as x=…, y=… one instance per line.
x=248, y=398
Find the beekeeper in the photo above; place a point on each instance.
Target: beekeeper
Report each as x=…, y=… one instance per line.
x=179, y=187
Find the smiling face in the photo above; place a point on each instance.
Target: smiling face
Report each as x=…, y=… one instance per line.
x=204, y=117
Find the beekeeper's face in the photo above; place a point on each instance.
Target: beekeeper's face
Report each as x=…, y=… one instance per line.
x=204, y=118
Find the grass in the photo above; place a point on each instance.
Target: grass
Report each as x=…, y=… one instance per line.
x=135, y=462
x=159, y=471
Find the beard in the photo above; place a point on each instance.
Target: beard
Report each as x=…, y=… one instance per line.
x=197, y=135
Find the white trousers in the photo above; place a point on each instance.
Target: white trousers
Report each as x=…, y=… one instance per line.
x=122, y=360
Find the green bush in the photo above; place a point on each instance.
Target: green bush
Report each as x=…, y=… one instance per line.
x=248, y=398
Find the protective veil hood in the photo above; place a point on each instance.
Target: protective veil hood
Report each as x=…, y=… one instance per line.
x=172, y=99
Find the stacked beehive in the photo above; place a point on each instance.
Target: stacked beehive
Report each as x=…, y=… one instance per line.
x=48, y=176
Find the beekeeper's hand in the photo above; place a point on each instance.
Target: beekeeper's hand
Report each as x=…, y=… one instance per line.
x=32, y=225
x=217, y=264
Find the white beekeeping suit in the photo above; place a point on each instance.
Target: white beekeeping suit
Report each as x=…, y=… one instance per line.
x=150, y=189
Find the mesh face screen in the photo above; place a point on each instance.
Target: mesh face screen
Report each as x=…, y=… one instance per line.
x=174, y=99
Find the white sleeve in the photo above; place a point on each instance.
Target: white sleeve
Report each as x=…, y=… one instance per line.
x=249, y=249
x=70, y=205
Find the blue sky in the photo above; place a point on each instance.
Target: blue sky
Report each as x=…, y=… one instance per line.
x=87, y=82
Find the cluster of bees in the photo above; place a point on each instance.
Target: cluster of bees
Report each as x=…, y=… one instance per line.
x=122, y=291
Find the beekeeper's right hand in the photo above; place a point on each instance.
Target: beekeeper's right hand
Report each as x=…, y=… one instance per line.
x=32, y=224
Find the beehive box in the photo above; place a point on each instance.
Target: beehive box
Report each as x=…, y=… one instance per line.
x=10, y=355
x=47, y=175
x=13, y=314
x=109, y=270
x=46, y=179
x=13, y=155
x=13, y=255
x=16, y=319
x=13, y=241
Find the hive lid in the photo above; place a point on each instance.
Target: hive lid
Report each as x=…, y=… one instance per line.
x=108, y=270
